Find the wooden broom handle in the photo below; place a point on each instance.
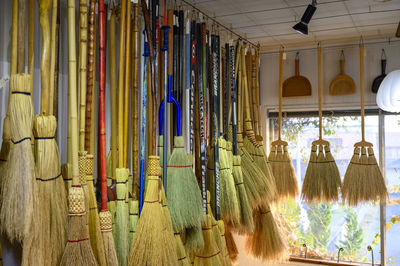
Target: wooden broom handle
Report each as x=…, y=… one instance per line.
x=21, y=35
x=91, y=71
x=73, y=93
x=53, y=55
x=31, y=39
x=258, y=91
x=44, y=12
x=171, y=43
x=135, y=99
x=239, y=89
x=362, y=92
x=121, y=85
x=127, y=80
x=14, y=41
x=83, y=23
x=113, y=94
x=320, y=90
x=280, y=93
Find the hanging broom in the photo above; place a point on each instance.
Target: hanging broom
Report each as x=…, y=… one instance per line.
x=246, y=223
x=51, y=189
x=231, y=245
x=322, y=180
x=121, y=232
x=78, y=250
x=267, y=242
x=150, y=242
x=105, y=219
x=363, y=180
x=282, y=167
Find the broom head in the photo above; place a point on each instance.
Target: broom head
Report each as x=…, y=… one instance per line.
x=108, y=238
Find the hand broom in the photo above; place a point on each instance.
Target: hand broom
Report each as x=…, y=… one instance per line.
x=121, y=232
x=78, y=250
x=51, y=189
x=282, y=167
x=322, y=180
x=363, y=180
x=105, y=218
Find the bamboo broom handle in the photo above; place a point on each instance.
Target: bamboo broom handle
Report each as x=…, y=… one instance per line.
x=258, y=91
x=135, y=98
x=280, y=93
x=21, y=36
x=83, y=23
x=91, y=70
x=113, y=94
x=72, y=89
x=14, y=41
x=254, y=93
x=127, y=80
x=362, y=91
x=53, y=55
x=121, y=86
x=320, y=90
x=31, y=39
x=239, y=93
x=93, y=128
x=44, y=11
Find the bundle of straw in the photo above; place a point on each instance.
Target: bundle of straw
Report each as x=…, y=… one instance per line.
x=231, y=245
x=150, y=242
x=322, y=179
x=267, y=242
x=5, y=145
x=78, y=250
x=224, y=250
x=363, y=180
x=282, y=167
x=121, y=231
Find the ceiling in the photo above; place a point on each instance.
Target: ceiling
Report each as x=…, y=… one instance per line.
x=270, y=22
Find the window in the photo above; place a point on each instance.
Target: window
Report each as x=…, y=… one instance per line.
x=325, y=228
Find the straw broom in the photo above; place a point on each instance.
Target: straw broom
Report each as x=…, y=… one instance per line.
x=231, y=245
x=105, y=219
x=121, y=232
x=150, y=242
x=224, y=249
x=267, y=242
x=282, y=167
x=322, y=180
x=78, y=250
x=363, y=180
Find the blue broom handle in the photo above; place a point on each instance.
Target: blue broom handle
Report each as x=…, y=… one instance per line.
x=163, y=115
x=143, y=127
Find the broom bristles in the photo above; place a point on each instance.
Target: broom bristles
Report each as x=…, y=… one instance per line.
x=121, y=232
x=194, y=239
x=52, y=193
x=108, y=238
x=322, y=180
x=19, y=188
x=266, y=243
x=363, y=180
x=231, y=246
x=183, y=192
x=78, y=250
x=133, y=219
x=148, y=247
x=96, y=238
x=224, y=250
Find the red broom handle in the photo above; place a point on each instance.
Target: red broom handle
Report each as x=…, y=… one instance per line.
x=102, y=124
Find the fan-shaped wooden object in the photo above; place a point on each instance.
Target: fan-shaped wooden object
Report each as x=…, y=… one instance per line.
x=342, y=84
x=296, y=85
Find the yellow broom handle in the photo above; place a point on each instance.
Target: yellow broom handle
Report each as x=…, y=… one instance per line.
x=14, y=41
x=113, y=94
x=320, y=91
x=127, y=79
x=21, y=36
x=72, y=89
x=362, y=91
x=121, y=86
x=135, y=95
x=53, y=55
x=44, y=11
x=280, y=92
x=31, y=39
x=258, y=90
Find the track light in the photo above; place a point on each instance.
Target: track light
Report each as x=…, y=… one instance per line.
x=302, y=26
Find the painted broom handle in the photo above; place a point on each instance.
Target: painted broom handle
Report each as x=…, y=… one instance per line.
x=53, y=55
x=167, y=85
x=320, y=90
x=44, y=11
x=187, y=81
x=102, y=115
x=258, y=90
x=362, y=91
x=280, y=93
x=121, y=86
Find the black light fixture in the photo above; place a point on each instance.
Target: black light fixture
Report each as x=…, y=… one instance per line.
x=302, y=26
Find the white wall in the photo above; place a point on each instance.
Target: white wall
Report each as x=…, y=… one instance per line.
x=330, y=69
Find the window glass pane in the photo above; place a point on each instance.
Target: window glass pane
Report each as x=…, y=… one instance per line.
x=392, y=164
x=327, y=227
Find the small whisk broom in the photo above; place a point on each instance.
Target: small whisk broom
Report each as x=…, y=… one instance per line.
x=363, y=180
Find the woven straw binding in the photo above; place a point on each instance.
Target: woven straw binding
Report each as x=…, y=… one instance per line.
x=105, y=221
x=82, y=167
x=154, y=166
x=89, y=167
x=76, y=201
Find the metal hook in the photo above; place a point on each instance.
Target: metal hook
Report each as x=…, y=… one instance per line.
x=342, y=55
x=383, y=54
x=297, y=56
x=338, y=255
x=305, y=252
x=369, y=248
